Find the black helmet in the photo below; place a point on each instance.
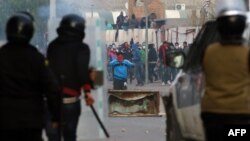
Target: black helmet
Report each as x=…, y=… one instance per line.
x=19, y=28
x=231, y=19
x=72, y=25
x=27, y=14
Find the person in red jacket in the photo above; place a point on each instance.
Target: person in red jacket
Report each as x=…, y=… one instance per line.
x=162, y=59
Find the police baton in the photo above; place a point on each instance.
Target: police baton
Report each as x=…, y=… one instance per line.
x=99, y=121
x=96, y=76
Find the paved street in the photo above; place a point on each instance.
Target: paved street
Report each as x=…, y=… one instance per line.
x=124, y=128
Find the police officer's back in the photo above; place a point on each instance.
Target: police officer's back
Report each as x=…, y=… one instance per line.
x=25, y=83
x=69, y=59
x=226, y=68
x=68, y=55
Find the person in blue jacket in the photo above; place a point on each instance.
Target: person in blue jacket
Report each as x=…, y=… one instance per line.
x=120, y=68
x=138, y=64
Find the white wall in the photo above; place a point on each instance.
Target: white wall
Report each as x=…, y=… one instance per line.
x=125, y=36
x=139, y=35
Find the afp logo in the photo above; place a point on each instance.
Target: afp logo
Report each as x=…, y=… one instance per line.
x=237, y=133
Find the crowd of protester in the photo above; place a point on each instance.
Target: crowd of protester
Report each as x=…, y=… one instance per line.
x=126, y=22
x=135, y=53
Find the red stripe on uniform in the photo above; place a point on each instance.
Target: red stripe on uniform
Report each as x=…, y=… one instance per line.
x=70, y=92
x=86, y=87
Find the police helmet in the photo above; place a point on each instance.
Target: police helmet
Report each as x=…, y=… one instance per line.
x=72, y=25
x=19, y=28
x=231, y=18
x=27, y=14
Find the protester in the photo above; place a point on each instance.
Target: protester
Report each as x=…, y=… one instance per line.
x=125, y=24
x=133, y=22
x=166, y=73
x=108, y=26
x=120, y=21
x=128, y=55
x=152, y=60
x=185, y=47
x=143, y=23
x=138, y=64
x=120, y=69
x=143, y=58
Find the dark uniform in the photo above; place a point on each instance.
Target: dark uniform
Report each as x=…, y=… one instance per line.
x=69, y=59
x=25, y=83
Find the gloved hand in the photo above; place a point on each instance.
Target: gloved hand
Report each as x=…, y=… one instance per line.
x=55, y=125
x=89, y=99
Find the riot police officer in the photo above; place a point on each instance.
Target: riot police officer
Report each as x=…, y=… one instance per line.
x=69, y=59
x=25, y=81
x=226, y=102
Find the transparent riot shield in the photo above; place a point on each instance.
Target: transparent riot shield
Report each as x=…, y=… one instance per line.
x=89, y=128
